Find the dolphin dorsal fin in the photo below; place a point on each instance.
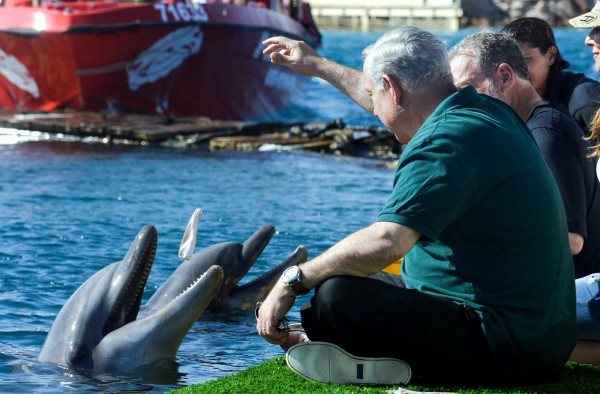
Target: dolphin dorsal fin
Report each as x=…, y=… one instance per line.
x=188, y=243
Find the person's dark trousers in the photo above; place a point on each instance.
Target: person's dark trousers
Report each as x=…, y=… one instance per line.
x=439, y=339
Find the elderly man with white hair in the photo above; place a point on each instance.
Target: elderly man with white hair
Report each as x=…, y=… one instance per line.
x=486, y=291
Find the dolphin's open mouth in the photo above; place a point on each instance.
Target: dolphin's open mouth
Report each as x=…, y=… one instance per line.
x=128, y=304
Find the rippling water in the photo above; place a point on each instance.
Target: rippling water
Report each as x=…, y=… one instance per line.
x=69, y=209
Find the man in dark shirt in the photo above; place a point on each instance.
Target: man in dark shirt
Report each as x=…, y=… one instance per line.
x=493, y=64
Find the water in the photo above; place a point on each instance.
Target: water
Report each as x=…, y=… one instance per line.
x=69, y=209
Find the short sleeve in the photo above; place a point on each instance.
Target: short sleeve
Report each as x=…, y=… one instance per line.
x=431, y=189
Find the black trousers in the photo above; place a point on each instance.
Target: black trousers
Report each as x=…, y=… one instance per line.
x=379, y=317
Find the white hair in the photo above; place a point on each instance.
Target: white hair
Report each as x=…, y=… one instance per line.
x=417, y=58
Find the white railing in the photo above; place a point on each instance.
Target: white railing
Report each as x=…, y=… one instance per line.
x=384, y=3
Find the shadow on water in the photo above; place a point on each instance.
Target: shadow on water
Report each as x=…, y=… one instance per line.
x=28, y=375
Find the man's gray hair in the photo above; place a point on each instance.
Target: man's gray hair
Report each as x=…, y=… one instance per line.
x=490, y=49
x=415, y=57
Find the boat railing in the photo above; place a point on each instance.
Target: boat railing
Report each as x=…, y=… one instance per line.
x=81, y=5
x=53, y=4
x=292, y=8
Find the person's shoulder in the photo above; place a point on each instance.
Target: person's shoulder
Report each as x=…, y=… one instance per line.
x=541, y=117
x=554, y=108
x=581, y=83
x=555, y=119
x=470, y=111
x=467, y=100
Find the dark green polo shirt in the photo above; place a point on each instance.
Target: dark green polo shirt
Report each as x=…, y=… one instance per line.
x=472, y=181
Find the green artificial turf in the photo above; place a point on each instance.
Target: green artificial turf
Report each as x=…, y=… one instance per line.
x=273, y=376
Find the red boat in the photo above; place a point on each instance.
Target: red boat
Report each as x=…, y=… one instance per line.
x=174, y=58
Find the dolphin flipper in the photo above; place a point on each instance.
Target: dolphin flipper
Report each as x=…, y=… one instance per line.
x=188, y=243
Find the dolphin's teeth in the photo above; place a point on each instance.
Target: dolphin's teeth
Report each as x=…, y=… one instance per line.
x=125, y=313
x=189, y=287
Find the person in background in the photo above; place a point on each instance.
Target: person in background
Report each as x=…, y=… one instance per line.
x=588, y=288
x=578, y=93
x=594, y=137
x=591, y=20
x=493, y=64
x=486, y=293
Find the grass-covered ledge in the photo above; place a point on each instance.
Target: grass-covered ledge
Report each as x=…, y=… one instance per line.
x=273, y=376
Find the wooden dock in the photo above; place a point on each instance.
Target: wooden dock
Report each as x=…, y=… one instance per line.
x=366, y=15
x=130, y=128
x=151, y=130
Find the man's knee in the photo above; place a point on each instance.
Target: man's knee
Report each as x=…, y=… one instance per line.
x=336, y=290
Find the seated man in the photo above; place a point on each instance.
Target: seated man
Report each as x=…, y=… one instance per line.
x=491, y=62
x=487, y=292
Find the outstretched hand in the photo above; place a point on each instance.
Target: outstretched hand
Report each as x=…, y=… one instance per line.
x=271, y=314
x=296, y=55
x=304, y=60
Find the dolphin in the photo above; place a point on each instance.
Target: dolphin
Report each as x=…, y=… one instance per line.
x=97, y=328
x=235, y=259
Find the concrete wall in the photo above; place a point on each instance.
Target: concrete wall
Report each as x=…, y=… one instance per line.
x=367, y=14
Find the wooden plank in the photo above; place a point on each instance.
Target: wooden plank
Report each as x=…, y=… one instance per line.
x=333, y=137
x=142, y=128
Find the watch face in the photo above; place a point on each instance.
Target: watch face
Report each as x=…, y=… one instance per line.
x=291, y=274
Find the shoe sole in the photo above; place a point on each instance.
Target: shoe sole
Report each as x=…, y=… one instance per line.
x=327, y=363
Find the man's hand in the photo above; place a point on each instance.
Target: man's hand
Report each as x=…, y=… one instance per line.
x=302, y=59
x=297, y=55
x=272, y=313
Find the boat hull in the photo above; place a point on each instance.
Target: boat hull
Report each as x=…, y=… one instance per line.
x=143, y=58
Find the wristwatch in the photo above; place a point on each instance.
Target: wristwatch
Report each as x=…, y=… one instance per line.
x=292, y=277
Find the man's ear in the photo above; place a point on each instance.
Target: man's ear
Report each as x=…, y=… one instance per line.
x=395, y=88
x=506, y=75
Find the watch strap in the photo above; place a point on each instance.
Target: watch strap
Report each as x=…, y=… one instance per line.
x=298, y=287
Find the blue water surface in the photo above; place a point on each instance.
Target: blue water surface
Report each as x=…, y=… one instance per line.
x=67, y=209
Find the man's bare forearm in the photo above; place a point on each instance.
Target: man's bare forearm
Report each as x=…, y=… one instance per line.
x=301, y=58
x=349, y=81
x=362, y=253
